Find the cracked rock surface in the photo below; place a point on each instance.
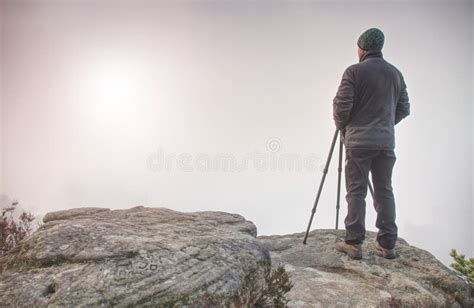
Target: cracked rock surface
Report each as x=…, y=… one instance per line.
x=147, y=257
x=323, y=277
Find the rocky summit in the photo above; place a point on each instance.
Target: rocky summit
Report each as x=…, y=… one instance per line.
x=157, y=257
x=324, y=277
x=139, y=257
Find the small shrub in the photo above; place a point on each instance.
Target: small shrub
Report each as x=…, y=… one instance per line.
x=278, y=283
x=13, y=231
x=463, y=266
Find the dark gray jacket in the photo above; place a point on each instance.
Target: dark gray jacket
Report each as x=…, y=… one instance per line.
x=371, y=99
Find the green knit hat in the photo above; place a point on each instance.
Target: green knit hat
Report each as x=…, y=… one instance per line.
x=371, y=39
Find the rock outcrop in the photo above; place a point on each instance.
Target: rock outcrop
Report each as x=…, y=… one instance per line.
x=157, y=257
x=140, y=257
x=323, y=277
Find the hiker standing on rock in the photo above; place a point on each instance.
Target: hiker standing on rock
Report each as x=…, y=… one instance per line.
x=370, y=101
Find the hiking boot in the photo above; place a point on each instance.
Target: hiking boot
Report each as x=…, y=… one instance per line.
x=384, y=252
x=353, y=251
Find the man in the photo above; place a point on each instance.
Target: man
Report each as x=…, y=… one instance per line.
x=370, y=101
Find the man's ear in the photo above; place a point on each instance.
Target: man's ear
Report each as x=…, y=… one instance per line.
x=360, y=52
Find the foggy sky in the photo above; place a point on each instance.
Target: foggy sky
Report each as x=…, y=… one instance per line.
x=92, y=93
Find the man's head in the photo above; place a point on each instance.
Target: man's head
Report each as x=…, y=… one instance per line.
x=371, y=39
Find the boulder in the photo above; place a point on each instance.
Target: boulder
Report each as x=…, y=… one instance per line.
x=157, y=257
x=323, y=277
x=146, y=257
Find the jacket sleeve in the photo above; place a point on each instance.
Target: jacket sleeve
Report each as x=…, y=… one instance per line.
x=344, y=100
x=403, y=105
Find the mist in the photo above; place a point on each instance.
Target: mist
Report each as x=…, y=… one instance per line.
x=227, y=106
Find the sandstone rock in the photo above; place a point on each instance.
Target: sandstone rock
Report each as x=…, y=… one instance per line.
x=147, y=257
x=156, y=257
x=323, y=277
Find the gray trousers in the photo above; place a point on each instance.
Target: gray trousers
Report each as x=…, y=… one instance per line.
x=380, y=163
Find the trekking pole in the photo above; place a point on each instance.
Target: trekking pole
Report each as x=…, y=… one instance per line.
x=325, y=171
x=339, y=173
x=371, y=190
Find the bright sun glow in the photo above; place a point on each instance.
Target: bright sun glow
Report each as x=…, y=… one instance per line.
x=112, y=89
